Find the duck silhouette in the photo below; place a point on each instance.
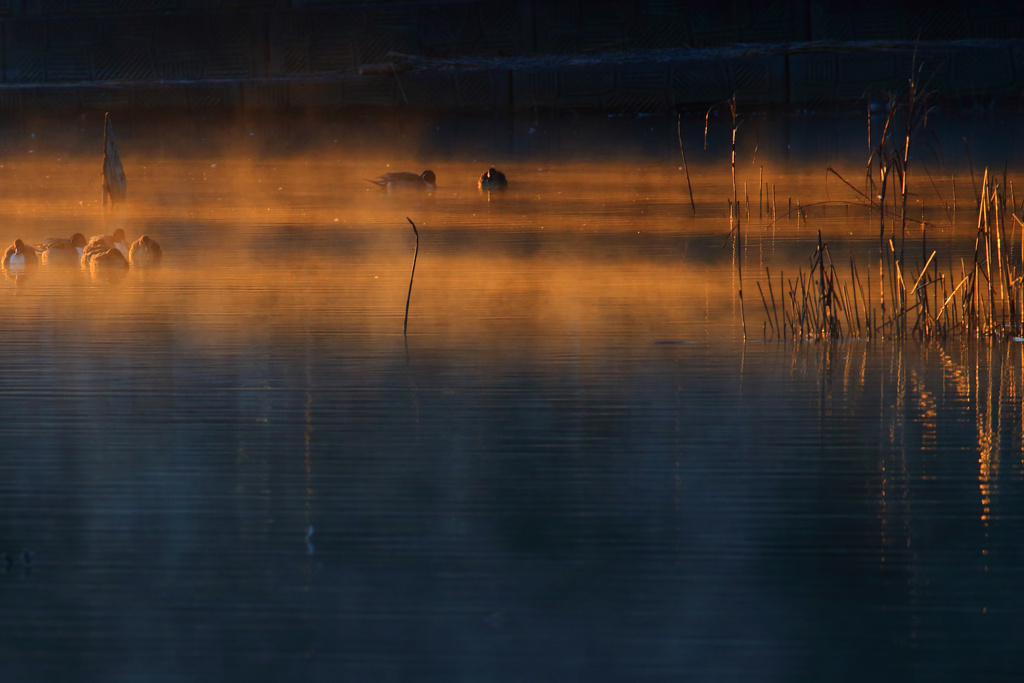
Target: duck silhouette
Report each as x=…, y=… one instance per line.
x=406, y=181
x=493, y=179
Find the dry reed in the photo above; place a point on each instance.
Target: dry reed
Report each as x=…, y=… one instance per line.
x=982, y=300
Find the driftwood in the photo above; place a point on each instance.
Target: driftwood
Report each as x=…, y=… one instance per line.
x=115, y=185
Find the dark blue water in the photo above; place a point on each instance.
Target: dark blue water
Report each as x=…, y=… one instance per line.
x=790, y=513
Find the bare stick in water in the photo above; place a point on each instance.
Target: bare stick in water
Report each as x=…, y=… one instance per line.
x=114, y=185
x=679, y=133
x=405, y=325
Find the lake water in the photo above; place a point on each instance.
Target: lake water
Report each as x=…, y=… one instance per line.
x=572, y=467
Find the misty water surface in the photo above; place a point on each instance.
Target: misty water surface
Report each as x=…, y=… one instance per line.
x=236, y=467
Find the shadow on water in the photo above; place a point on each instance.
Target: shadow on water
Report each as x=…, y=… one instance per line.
x=236, y=465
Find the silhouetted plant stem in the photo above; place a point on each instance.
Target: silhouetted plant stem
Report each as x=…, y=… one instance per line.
x=405, y=325
x=686, y=169
x=734, y=215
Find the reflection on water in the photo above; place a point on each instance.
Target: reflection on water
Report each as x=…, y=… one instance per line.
x=234, y=466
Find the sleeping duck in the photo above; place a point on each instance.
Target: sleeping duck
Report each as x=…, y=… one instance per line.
x=110, y=264
x=145, y=252
x=19, y=257
x=117, y=240
x=99, y=244
x=61, y=251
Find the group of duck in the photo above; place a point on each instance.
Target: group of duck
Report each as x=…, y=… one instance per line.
x=112, y=253
x=492, y=179
x=101, y=253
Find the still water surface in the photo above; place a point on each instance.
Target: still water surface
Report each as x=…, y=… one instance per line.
x=572, y=469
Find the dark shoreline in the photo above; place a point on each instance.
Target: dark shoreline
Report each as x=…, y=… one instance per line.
x=792, y=78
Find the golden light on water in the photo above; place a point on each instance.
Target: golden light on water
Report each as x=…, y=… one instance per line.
x=590, y=248
x=309, y=244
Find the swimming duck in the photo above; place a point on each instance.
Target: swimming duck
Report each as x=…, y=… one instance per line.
x=493, y=179
x=18, y=257
x=406, y=181
x=62, y=251
x=144, y=252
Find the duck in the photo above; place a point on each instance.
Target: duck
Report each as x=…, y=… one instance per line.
x=493, y=179
x=116, y=240
x=63, y=251
x=108, y=263
x=144, y=252
x=406, y=181
x=19, y=257
x=99, y=244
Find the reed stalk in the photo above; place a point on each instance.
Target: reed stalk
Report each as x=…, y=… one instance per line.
x=760, y=196
x=926, y=302
x=686, y=169
x=920, y=299
x=768, y=278
x=767, y=313
x=733, y=214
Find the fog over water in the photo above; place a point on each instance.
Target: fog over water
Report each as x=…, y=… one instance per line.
x=572, y=467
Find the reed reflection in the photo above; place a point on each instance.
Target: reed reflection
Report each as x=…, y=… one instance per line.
x=920, y=394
